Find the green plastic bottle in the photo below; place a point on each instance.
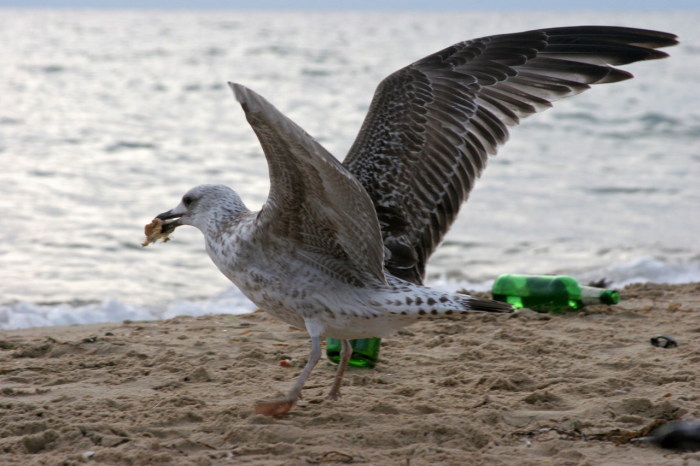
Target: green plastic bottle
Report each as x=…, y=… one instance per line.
x=365, y=352
x=548, y=293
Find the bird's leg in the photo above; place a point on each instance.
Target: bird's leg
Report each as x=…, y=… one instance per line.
x=282, y=405
x=345, y=354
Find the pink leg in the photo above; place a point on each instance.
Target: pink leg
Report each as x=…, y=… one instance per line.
x=280, y=406
x=345, y=354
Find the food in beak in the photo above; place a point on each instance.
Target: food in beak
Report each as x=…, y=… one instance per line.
x=156, y=230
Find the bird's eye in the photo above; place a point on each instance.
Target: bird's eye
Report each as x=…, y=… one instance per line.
x=187, y=200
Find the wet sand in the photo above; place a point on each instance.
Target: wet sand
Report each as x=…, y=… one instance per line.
x=524, y=389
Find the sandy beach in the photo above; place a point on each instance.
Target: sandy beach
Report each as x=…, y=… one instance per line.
x=524, y=389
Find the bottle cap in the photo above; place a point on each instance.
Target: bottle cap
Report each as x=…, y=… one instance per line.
x=610, y=297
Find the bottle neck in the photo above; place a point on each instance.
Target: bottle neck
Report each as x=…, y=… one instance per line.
x=592, y=295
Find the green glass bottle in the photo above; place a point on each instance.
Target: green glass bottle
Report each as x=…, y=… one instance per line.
x=548, y=293
x=365, y=352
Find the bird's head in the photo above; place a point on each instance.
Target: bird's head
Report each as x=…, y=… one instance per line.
x=200, y=205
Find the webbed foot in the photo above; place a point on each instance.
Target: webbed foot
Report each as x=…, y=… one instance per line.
x=275, y=408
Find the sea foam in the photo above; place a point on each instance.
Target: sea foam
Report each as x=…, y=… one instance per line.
x=232, y=301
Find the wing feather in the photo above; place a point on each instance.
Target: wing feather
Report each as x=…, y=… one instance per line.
x=314, y=201
x=431, y=125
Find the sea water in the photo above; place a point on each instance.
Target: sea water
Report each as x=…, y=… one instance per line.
x=108, y=117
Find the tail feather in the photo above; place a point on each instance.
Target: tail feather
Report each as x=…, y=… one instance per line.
x=488, y=305
x=404, y=305
x=407, y=302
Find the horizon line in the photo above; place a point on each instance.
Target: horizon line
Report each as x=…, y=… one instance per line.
x=340, y=10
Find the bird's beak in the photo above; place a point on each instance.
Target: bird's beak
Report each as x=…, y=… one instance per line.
x=168, y=215
x=170, y=221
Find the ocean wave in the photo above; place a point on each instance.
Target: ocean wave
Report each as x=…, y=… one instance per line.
x=129, y=145
x=27, y=315
x=639, y=270
x=615, y=190
x=650, y=269
x=48, y=69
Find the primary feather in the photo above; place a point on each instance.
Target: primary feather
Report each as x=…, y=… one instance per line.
x=432, y=125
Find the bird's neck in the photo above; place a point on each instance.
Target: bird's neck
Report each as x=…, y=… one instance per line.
x=225, y=218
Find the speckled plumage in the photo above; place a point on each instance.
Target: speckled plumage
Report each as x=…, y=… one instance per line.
x=285, y=279
x=340, y=249
x=307, y=286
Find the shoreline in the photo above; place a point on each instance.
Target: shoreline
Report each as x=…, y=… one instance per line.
x=515, y=390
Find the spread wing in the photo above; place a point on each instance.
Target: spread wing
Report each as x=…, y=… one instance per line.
x=314, y=202
x=432, y=124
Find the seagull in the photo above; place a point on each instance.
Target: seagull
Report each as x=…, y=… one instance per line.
x=340, y=249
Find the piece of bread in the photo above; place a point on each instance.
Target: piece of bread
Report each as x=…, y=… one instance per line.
x=154, y=232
